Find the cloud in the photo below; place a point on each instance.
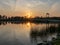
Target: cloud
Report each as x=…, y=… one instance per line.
x=7, y=7
x=7, y=4
x=55, y=9
x=36, y=6
x=30, y=4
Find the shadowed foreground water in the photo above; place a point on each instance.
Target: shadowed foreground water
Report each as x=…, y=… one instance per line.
x=29, y=34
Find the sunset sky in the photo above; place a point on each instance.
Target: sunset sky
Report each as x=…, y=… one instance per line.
x=34, y=7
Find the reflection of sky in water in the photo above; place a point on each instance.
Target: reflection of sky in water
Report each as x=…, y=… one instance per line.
x=12, y=34
x=18, y=33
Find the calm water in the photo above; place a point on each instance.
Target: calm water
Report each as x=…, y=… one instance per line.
x=29, y=34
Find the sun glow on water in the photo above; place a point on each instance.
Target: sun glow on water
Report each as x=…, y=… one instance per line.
x=28, y=24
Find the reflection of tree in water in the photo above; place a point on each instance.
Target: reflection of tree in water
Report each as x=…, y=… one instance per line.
x=11, y=22
x=3, y=23
x=44, y=36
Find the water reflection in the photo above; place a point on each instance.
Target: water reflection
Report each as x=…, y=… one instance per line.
x=3, y=23
x=15, y=33
x=28, y=24
x=12, y=22
x=45, y=36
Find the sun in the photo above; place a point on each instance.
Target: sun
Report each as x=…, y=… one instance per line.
x=28, y=14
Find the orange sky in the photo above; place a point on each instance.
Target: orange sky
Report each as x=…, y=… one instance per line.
x=23, y=7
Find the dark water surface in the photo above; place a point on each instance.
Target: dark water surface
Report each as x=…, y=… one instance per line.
x=30, y=34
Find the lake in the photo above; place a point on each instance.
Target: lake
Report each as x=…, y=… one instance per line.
x=30, y=34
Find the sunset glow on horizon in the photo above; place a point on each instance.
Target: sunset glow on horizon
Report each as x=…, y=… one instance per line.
x=28, y=14
x=37, y=7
